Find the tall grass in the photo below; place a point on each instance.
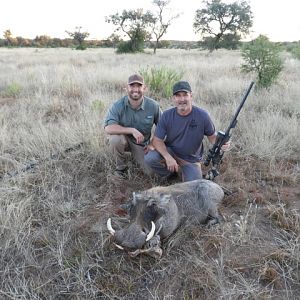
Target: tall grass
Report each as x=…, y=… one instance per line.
x=54, y=242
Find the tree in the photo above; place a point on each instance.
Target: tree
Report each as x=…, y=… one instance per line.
x=9, y=40
x=218, y=19
x=42, y=41
x=22, y=42
x=114, y=39
x=136, y=25
x=79, y=37
x=7, y=34
x=160, y=25
x=262, y=57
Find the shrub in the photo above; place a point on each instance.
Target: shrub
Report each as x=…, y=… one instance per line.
x=82, y=46
x=296, y=51
x=160, y=80
x=13, y=90
x=98, y=106
x=130, y=47
x=124, y=47
x=262, y=57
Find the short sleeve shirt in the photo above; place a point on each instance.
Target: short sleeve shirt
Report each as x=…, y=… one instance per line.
x=142, y=119
x=184, y=134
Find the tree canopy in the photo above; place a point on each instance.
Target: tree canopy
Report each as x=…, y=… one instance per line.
x=135, y=24
x=79, y=37
x=261, y=56
x=217, y=20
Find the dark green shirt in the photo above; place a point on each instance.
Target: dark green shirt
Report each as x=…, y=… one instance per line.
x=142, y=118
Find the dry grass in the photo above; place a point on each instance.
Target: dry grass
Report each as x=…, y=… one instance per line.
x=54, y=244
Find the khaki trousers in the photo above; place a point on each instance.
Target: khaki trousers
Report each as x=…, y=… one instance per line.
x=119, y=144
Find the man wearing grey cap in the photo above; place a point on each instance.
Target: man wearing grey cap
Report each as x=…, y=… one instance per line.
x=178, y=137
x=129, y=125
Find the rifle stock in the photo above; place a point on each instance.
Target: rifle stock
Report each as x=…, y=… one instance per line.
x=215, y=154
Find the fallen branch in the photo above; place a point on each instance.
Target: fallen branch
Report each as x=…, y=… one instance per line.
x=32, y=164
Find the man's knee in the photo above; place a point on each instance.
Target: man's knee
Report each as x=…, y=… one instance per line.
x=116, y=140
x=191, y=172
x=152, y=157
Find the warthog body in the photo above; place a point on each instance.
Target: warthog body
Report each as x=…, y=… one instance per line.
x=167, y=207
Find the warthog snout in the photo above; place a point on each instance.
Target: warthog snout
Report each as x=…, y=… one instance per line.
x=132, y=237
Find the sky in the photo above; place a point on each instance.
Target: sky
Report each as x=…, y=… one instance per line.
x=277, y=19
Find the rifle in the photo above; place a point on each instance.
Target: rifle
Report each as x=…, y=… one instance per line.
x=215, y=154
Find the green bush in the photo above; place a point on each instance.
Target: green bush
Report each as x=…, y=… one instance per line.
x=296, y=51
x=160, y=80
x=262, y=57
x=124, y=47
x=81, y=47
x=98, y=106
x=130, y=46
x=13, y=90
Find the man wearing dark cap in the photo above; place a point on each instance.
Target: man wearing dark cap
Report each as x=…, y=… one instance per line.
x=178, y=137
x=129, y=124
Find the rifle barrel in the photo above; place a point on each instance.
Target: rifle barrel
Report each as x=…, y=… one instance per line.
x=232, y=123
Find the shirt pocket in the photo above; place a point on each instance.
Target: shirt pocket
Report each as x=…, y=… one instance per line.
x=148, y=123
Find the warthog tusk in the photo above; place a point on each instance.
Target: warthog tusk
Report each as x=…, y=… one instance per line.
x=118, y=246
x=159, y=229
x=109, y=227
x=151, y=233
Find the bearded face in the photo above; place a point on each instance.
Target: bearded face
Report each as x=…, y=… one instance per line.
x=135, y=91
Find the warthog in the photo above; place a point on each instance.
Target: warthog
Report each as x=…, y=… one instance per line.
x=156, y=213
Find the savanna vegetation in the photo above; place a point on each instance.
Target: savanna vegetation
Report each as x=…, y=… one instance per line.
x=57, y=189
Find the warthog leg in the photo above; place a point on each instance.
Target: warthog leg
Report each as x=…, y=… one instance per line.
x=154, y=252
x=152, y=248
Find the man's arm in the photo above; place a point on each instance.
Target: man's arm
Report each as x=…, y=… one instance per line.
x=118, y=129
x=160, y=146
x=157, y=115
x=212, y=139
x=112, y=124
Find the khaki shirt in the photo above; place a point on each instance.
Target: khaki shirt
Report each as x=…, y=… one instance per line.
x=142, y=118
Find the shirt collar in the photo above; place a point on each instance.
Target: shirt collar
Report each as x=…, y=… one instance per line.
x=142, y=106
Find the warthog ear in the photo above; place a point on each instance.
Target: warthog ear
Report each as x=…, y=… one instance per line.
x=156, y=206
x=136, y=197
x=126, y=206
x=165, y=199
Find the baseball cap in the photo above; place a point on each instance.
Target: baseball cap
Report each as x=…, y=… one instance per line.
x=135, y=78
x=181, y=86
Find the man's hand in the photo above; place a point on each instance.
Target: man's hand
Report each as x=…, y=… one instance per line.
x=148, y=148
x=171, y=163
x=226, y=146
x=139, y=138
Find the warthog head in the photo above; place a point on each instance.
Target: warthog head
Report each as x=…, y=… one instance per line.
x=143, y=212
x=156, y=213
